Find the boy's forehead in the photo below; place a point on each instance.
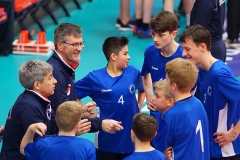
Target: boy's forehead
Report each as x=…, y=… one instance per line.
x=160, y=32
x=124, y=49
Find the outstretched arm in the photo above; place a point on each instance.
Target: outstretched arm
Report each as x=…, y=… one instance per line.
x=224, y=138
x=39, y=128
x=111, y=126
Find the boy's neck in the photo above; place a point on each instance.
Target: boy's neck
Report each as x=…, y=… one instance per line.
x=208, y=62
x=142, y=146
x=170, y=49
x=113, y=71
x=178, y=96
x=64, y=133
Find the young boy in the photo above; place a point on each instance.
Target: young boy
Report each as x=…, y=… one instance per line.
x=163, y=100
x=219, y=93
x=184, y=126
x=64, y=146
x=143, y=130
x=164, y=29
x=113, y=89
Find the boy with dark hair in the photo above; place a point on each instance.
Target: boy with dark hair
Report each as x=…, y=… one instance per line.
x=144, y=128
x=113, y=89
x=184, y=126
x=219, y=93
x=68, y=115
x=164, y=29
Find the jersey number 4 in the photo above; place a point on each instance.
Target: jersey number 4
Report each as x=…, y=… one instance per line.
x=121, y=99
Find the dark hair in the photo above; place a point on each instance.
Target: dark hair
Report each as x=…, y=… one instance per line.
x=164, y=21
x=144, y=126
x=113, y=45
x=198, y=35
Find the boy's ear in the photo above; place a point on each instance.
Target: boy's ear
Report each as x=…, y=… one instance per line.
x=171, y=101
x=132, y=136
x=174, y=33
x=113, y=56
x=203, y=46
x=174, y=86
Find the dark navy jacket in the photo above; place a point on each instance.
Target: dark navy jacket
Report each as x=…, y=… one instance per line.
x=65, y=89
x=210, y=14
x=29, y=108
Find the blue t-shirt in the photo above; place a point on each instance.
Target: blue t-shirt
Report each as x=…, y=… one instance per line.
x=184, y=127
x=154, y=63
x=60, y=148
x=115, y=97
x=220, y=94
x=150, y=155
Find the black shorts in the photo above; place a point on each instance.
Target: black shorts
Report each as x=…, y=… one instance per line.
x=236, y=157
x=101, y=155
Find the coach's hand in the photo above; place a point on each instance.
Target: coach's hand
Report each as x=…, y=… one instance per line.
x=88, y=109
x=111, y=126
x=83, y=127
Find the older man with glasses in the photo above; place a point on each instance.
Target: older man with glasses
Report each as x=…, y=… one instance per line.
x=68, y=44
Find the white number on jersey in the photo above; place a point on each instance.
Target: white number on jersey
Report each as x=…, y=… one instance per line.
x=121, y=100
x=199, y=128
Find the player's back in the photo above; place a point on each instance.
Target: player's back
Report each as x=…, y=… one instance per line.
x=188, y=133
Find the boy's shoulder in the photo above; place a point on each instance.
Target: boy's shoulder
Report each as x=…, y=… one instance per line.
x=182, y=107
x=154, y=155
x=151, y=48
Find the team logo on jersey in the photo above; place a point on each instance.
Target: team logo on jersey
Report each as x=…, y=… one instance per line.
x=209, y=91
x=68, y=89
x=132, y=89
x=154, y=68
x=48, y=112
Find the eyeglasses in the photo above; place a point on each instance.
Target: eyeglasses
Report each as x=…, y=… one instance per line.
x=76, y=45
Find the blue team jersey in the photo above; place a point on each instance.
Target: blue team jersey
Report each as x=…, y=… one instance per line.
x=115, y=97
x=154, y=63
x=220, y=92
x=185, y=128
x=150, y=155
x=60, y=148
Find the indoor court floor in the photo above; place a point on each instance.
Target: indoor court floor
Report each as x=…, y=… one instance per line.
x=97, y=20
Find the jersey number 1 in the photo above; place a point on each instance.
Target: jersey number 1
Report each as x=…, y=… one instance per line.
x=199, y=128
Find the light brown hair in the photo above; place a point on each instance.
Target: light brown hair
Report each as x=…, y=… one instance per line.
x=162, y=85
x=182, y=72
x=68, y=114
